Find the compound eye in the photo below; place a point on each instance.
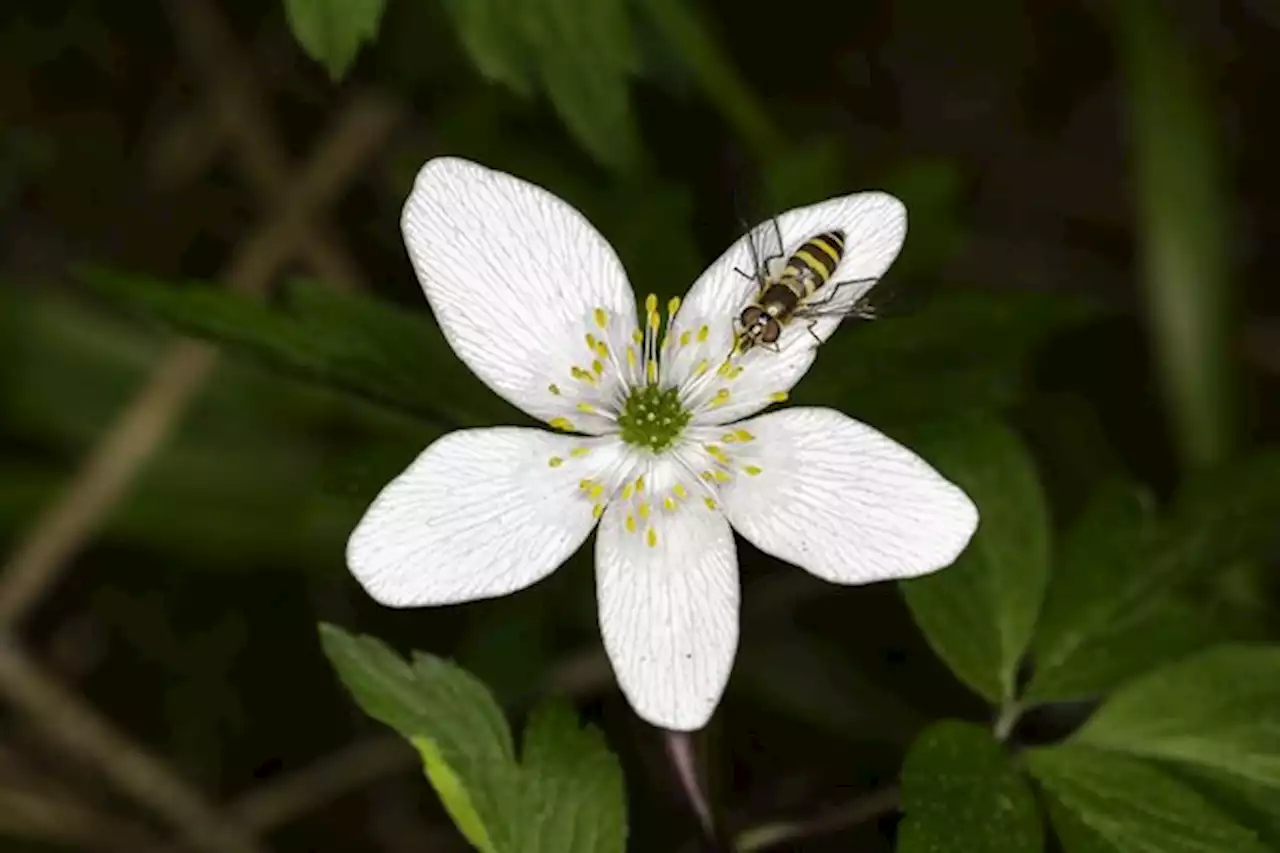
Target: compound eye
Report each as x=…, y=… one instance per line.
x=750, y=316
x=771, y=331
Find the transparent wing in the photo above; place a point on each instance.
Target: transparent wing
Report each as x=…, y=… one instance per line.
x=851, y=299
x=765, y=243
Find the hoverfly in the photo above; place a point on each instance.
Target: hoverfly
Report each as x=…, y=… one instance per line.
x=794, y=286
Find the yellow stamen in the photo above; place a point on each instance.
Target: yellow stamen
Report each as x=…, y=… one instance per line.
x=707, y=475
x=596, y=490
x=721, y=397
x=554, y=389
x=626, y=492
x=653, y=370
x=752, y=470
x=743, y=435
x=555, y=461
x=586, y=407
x=680, y=490
x=702, y=334
x=654, y=320
x=591, y=341
x=684, y=339
x=711, y=504
x=701, y=368
x=602, y=349
x=561, y=424
x=585, y=485
x=673, y=305
x=580, y=451
x=729, y=438
x=631, y=523
x=640, y=483
x=631, y=357
x=722, y=476
x=602, y=319
x=597, y=510
x=643, y=509
x=778, y=396
x=653, y=538
x=637, y=336
x=597, y=367
x=669, y=503
x=724, y=369
x=651, y=303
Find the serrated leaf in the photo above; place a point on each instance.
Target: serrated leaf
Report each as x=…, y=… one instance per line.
x=1131, y=805
x=575, y=801
x=978, y=615
x=1219, y=709
x=332, y=31
x=360, y=346
x=454, y=722
x=962, y=794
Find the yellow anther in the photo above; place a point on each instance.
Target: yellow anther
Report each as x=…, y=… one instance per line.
x=722, y=476
x=653, y=370
x=586, y=407
x=631, y=357
x=707, y=475
x=561, y=424
x=643, y=509
x=585, y=485
x=637, y=336
x=724, y=369
x=597, y=367
x=602, y=319
x=669, y=503
x=591, y=341
x=729, y=438
x=654, y=320
x=684, y=339
x=555, y=461
x=721, y=397
x=702, y=334
x=580, y=451
x=711, y=504
x=743, y=435
x=602, y=349
x=702, y=368
x=631, y=523
x=778, y=396
x=717, y=453
x=596, y=490
x=651, y=303
x=640, y=483
x=681, y=491
x=736, y=371
x=653, y=538
x=626, y=492
x=597, y=510
x=554, y=389
x=673, y=305
x=752, y=470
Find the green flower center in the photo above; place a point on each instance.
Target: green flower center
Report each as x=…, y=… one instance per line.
x=653, y=418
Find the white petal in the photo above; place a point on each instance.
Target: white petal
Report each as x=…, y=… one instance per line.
x=480, y=513
x=875, y=226
x=514, y=275
x=843, y=501
x=669, y=612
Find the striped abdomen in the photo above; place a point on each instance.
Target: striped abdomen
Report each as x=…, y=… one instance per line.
x=813, y=264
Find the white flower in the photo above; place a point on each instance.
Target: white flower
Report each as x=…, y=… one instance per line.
x=537, y=304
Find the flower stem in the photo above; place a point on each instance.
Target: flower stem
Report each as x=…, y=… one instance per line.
x=684, y=760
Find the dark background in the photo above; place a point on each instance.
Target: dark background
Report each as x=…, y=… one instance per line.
x=187, y=616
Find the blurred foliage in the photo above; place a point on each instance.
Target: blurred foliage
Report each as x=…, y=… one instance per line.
x=1111, y=631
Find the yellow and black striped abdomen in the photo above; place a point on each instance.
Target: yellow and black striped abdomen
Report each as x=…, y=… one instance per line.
x=815, y=262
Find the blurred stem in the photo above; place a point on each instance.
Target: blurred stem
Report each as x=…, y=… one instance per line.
x=687, y=765
x=774, y=835
x=687, y=33
x=1182, y=206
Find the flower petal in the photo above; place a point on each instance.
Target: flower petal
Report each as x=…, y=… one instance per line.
x=480, y=513
x=514, y=276
x=843, y=501
x=875, y=226
x=669, y=612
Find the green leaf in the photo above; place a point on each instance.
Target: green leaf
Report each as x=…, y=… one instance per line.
x=1112, y=609
x=363, y=347
x=575, y=801
x=978, y=615
x=1129, y=806
x=585, y=58
x=1219, y=709
x=453, y=721
x=493, y=37
x=332, y=31
x=961, y=792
